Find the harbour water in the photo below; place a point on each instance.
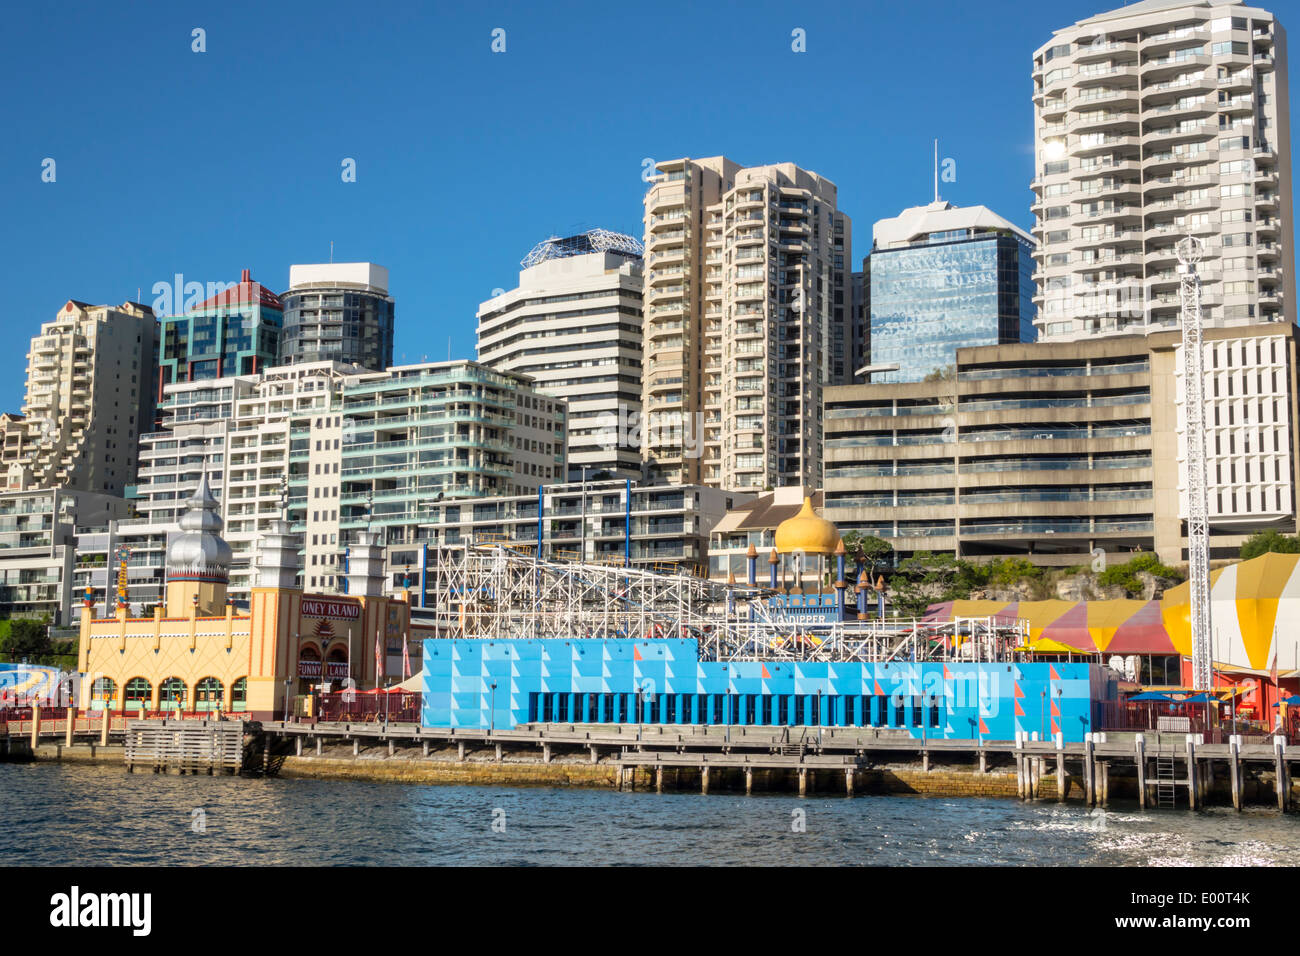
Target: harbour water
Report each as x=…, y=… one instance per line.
x=75, y=814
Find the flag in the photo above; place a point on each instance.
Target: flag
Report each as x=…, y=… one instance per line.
x=1272, y=671
x=406, y=659
x=379, y=660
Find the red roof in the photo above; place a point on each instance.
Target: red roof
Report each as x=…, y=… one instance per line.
x=245, y=292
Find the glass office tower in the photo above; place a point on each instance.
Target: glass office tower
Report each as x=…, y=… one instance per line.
x=940, y=278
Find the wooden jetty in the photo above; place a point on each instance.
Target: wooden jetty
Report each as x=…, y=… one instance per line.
x=1165, y=770
x=186, y=746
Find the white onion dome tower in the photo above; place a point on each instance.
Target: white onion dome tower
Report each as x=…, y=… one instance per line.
x=198, y=559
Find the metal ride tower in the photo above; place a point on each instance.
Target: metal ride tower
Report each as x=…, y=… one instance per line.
x=1198, y=516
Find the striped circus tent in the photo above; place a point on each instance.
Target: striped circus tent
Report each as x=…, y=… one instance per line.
x=1255, y=613
x=1075, y=627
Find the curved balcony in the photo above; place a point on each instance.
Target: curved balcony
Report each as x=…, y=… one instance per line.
x=1110, y=165
x=1101, y=51
x=1109, y=119
x=1153, y=69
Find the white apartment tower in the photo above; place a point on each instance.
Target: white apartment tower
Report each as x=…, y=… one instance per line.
x=747, y=301
x=574, y=325
x=1159, y=119
x=90, y=395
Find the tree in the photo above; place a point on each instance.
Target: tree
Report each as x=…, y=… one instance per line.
x=29, y=640
x=877, y=554
x=1269, y=541
x=925, y=579
x=1010, y=571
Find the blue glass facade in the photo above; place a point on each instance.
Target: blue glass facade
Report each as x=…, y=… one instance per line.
x=501, y=684
x=928, y=300
x=236, y=332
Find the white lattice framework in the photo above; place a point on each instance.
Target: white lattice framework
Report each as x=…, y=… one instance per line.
x=499, y=592
x=593, y=240
x=1198, y=513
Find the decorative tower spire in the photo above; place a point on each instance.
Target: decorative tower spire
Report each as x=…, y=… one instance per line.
x=198, y=559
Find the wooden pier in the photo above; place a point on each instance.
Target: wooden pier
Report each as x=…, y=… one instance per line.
x=186, y=746
x=1157, y=770
x=1160, y=770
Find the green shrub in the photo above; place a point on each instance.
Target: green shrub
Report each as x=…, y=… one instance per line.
x=1269, y=541
x=1126, y=575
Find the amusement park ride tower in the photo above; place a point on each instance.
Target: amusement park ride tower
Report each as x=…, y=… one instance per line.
x=1198, y=521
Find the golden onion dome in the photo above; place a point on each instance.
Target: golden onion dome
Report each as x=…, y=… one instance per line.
x=806, y=532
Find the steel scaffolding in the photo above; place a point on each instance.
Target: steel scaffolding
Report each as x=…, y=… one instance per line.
x=496, y=591
x=1198, y=517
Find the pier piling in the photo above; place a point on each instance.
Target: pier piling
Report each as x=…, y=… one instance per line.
x=1234, y=770
x=1279, y=761
x=1139, y=745
x=1089, y=771
x=1060, y=770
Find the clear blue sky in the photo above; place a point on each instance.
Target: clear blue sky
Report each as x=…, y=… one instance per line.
x=173, y=161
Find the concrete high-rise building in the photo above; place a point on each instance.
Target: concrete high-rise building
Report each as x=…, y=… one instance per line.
x=1153, y=121
x=42, y=572
x=234, y=332
x=353, y=450
x=338, y=312
x=941, y=277
x=574, y=325
x=90, y=394
x=420, y=434
x=248, y=434
x=1050, y=450
x=748, y=287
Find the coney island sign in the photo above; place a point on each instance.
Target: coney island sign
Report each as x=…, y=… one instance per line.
x=337, y=610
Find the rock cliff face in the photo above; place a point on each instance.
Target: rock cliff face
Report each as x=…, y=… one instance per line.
x=1082, y=586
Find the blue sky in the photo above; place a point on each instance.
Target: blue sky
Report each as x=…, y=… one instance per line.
x=207, y=163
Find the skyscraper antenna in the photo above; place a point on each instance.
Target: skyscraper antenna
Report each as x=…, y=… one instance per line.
x=936, y=170
x=332, y=242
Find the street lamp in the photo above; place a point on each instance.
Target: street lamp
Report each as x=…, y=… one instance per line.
x=288, y=684
x=821, y=718
x=492, y=709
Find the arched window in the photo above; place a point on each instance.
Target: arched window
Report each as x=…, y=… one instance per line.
x=171, y=693
x=208, y=694
x=102, y=693
x=139, y=693
x=239, y=694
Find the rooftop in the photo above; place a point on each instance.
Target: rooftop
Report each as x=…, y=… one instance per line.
x=917, y=223
x=593, y=240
